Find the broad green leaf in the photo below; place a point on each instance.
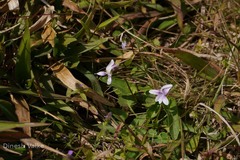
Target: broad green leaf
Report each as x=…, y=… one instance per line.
x=126, y=101
x=206, y=69
x=88, y=153
x=193, y=143
x=122, y=87
x=171, y=147
x=128, y=139
x=23, y=64
x=163, y=137
x=107, y=22
x=152, y=111
x=173, y=119
x=149, y=101
x=189, y=127
x=139, y=120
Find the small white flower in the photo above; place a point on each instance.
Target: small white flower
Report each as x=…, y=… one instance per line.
x=108, y=71
x=161, y=94
x=124, y=43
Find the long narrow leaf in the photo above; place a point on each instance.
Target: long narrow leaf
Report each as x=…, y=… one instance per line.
x=23, y=65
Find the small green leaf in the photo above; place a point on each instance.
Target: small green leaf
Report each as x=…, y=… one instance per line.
x=119, y=113
x=117, y=4
x=167, y=23
x=155, y=6
x=218, y=105
x=68, y=38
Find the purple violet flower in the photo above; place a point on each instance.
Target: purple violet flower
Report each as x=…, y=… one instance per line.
x=108, y=71
x=161, y=94
x=70, y=152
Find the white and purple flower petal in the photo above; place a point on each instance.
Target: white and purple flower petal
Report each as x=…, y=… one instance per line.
x=161, y=94
x=102, y=73
x=124, y=44
x=110, y=66
x=165, y=89
x=70, y=152
x=109, y=80
x=165, y=100
x=154, y=91
x=108, y=72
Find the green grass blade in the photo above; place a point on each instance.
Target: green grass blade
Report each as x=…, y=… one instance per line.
x=8, y=110
x=23, y=65
x=107, y=22
x=6, y=125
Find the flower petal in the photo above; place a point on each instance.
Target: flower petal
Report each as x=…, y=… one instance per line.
x=124, y=44
x=70, y=152
x=154, y=91
x=159, y=98
x=165, y=89
x=102, y=73
x=165, y=100
x=110, y=66
x=109, y=80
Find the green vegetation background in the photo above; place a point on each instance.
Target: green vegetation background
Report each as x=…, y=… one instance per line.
x=52, y=101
